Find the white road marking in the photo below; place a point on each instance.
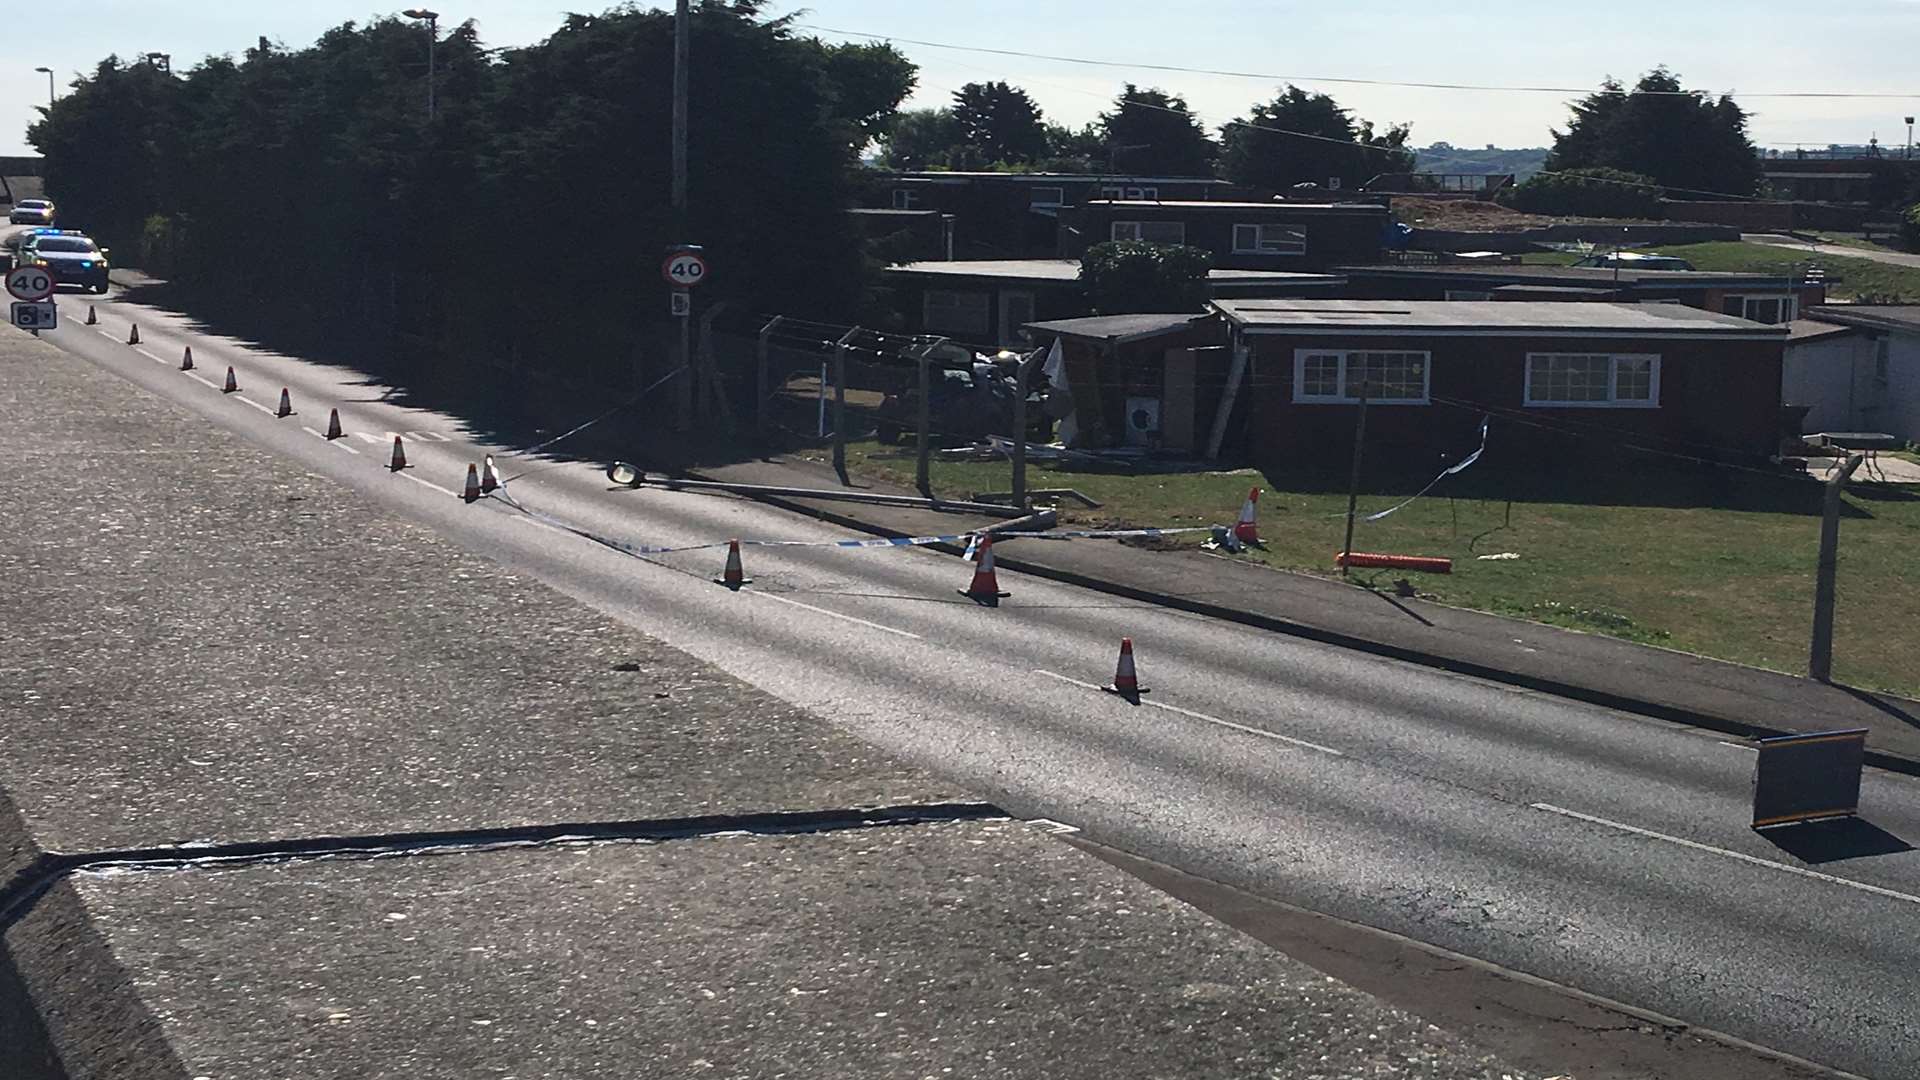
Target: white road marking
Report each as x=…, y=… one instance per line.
x=255, y=404
x=368, y=436
x=208, y=383
x=430, y=484
x=1739, y=746
x=149, y=355
x=1203, y=716
x=837, y=615
x=1709, y=848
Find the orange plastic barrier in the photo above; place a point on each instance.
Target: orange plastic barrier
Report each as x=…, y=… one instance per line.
x=1395, y=562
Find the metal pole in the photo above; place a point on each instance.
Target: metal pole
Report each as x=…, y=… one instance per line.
x=923, y=437
x=433, y=36
x=760, y=381
x=683, y=383
x=681, y=39
x=1353, y=483
x=840, y=404
x=1820, y=656
x=1021, y=374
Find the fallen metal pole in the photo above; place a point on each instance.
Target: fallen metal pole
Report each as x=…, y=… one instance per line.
x=640, y=479
x=1035, y=522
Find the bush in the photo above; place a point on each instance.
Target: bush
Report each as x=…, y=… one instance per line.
x=1128, y=276
x=159, y=246
x=1910, y=227
x=1594, y=192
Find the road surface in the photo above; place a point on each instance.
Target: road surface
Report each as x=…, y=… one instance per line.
x=1595, y=849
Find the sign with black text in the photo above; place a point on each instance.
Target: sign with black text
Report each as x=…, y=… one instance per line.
x=35, y=315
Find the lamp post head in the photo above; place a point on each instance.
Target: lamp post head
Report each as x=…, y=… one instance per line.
x=421, y=13
x=44, y=71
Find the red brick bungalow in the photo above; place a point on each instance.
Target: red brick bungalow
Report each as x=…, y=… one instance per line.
x=1669, y=376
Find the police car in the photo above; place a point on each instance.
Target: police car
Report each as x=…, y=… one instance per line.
x=69, y=255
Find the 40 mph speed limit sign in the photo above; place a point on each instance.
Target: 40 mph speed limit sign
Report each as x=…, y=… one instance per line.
x=684, y=268
x=29, y=283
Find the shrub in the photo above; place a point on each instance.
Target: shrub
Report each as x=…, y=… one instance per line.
x=1594, y=192
x=1132, y=276
x=1910, y=227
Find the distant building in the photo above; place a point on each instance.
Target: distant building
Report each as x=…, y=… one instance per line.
x=1865, y=380
x=1767, y=298
x=1241, y=235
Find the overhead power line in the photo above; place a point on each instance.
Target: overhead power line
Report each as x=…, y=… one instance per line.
x=1350, y=80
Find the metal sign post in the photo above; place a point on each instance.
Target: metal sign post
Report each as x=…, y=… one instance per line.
x=683, y=269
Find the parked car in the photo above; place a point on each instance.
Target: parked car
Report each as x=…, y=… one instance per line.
x=71, y=257
x=1635, y=260
x=31, y=212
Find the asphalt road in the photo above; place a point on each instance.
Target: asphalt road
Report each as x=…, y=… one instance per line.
x=1598, y=850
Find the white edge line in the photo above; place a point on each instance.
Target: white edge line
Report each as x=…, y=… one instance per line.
x=149, y=355
x=248, y=401
x=1739, y=746
x=1697, y=846
x=208, y=383
x=1203, y=716
x=837, y=615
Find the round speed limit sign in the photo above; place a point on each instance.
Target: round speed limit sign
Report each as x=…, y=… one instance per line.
x=30, y=283
x=684, y=268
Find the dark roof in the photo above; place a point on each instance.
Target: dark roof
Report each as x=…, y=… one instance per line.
x=1048, y=178
x=1570, y=275
x=1488, y=317
x=1117, y=328
x=1552, y=292
x=1223, y=204
x=1068, y=270
x=863, y=211
x=1902, y=317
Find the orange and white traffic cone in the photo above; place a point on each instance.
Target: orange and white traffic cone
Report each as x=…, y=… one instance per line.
x=186, y=359
x=734, y=575
x=232, y=384
x=489, y=476
x=985, y=589
x=286, y=404
x=399, y=456
x=1245, y=530
x=472, y=490
x=1125, y=682
x=133, y=335
x=93, y=317
x=333, y=424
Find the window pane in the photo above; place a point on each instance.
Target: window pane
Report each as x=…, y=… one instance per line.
x=1246, y=237
x=1282, y=241
x=1389, y=376
x=1125, y=230
x=1570, y=378
x=1163, y=232
x=1633, y=378
x=1320, y=376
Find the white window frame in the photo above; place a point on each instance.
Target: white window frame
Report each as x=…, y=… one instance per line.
x=1116, y=231
x=1789, y=310
x=906, y=199
x=1109, y=191
x=1036, y=196
x=1292, y=241
x=1613, y=383
x=1143, y=194
x=982, y=326
x=1300, y=397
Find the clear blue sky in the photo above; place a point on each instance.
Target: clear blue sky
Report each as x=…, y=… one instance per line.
x=1753, y=45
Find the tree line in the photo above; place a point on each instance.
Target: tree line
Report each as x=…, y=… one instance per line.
x=312, y=182
x=1296, y=138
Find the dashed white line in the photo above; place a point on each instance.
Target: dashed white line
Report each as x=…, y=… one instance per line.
x=837, y=615
x=208, y=383
x=429, y=483
x=315, y=432
x=1203, y=716
x=150, y=356
x=255, y=404
x=1709, y=848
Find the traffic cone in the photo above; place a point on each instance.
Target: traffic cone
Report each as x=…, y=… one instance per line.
x=133, y=335
x=734, y=576
x=1245, y=530
x=1125, y=682
x=399, y=456
x=286, y=404
x=233, y=384
x=472, y=490
x=93, y=317
x=985, y=589
x=489, y=477
x=333, y=424
x=186, y=359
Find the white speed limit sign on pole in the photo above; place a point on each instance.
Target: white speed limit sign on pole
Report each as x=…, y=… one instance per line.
x=684, y=269
x=29, y=283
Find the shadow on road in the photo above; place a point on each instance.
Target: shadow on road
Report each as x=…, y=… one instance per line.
x=1834, y=840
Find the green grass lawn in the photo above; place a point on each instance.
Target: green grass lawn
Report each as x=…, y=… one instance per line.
x=1714, y=562
x=1850, y=279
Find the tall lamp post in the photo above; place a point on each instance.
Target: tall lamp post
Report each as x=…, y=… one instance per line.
x=431, y=18
x=48, y=72
x=1909, y=138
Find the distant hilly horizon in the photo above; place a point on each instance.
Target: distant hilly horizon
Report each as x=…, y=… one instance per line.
x=1442, y=157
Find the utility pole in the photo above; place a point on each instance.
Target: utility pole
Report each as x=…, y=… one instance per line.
x=431, y=18
x=840, y=404
x=1022, y=378
x=1820, y=656
x=1353, y=483
x=681, y=47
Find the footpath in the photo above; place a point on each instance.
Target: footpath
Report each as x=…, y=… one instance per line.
x=1664, y=683
x=292, y=787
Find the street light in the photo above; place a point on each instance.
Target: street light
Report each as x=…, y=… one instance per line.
x=431, y=19
x=48, y=72
x=163, y=61
x=1909, y=138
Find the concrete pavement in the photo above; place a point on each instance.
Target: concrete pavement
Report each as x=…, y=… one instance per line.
x=209, y=647
x=1891, y=258
x=1291, y=771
